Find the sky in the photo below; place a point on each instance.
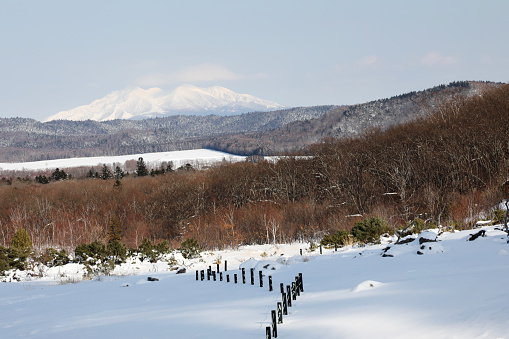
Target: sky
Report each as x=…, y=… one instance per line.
x=57, y=55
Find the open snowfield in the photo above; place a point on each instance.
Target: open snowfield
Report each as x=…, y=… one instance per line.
x=454, y=289
x=179, y=158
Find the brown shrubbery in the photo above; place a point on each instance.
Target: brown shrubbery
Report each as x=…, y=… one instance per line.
x=446, y=168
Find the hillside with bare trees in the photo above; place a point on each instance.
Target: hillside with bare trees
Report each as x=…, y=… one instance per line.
x=448, y=167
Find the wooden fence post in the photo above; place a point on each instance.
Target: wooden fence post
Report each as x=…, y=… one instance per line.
x=285, y=303
x=289, y=295
x=279, y=313
x=268, y=333
x=274, y=325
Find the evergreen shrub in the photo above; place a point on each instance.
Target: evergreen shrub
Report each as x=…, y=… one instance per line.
x=369, y=230
x=21, y=241
x=117, y=250
x=190, y=248
x=52, y=257
x=95, y=250
x=340, y=238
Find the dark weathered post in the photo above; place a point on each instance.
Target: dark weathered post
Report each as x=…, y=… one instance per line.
x=320, y=248
x=235, y=277
x=285, y=304
x=214, y=275
x=274, y=325
x=220, y=276
x=208, y=273
x=196, y=275
x=268, y=333
x=335, y=247
x=294, y=294
x=301, y=283
x=252, y=276
x=301, y=251
x=227, y=278
x=243, y=275
x=279, y=313
x=225, y=266
x=202, y=273
x=289, y=296
x=282, y=286
x=217, y=268
x=261, y=278
x=270, y=283
x=297, y=287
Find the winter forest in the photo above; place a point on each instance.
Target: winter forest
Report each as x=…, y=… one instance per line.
x=448, y=168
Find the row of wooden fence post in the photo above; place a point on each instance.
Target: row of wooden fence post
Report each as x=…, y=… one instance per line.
x=292, y=291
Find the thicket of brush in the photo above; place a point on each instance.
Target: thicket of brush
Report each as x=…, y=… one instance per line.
x=445, y=169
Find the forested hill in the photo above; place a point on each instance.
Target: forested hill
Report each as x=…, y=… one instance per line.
x=261, y=133
x=348, y=121
x=30, y=140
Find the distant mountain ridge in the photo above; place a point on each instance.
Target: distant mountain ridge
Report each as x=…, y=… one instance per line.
x=139, y=103
x=256, y=133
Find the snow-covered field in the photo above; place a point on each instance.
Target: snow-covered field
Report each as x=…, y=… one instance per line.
x=179, y=158
x=454, y=289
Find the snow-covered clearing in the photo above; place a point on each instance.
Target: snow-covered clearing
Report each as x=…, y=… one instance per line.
x=455, y=289
x=199, y=157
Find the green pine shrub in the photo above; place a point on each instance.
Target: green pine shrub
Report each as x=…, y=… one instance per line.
x=21, y=241
x=95, y=251
x=190, y=248
x=163, y=247
x=117, y=250
x=152, y=252
x=498, y=216
x=52, y=257
x=12, y=258
x=369, y=230
x=340, y=238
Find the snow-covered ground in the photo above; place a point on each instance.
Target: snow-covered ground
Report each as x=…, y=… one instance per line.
x=179, y=158
x=454, y=289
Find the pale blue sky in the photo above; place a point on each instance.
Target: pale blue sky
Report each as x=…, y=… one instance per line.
x=56, y=55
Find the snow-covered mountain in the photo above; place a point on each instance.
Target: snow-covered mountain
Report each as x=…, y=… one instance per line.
x=139, y=103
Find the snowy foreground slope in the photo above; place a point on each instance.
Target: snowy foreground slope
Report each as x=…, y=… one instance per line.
x=455, y=289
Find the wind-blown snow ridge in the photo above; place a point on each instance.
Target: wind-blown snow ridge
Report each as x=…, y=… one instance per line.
x=139, y=103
